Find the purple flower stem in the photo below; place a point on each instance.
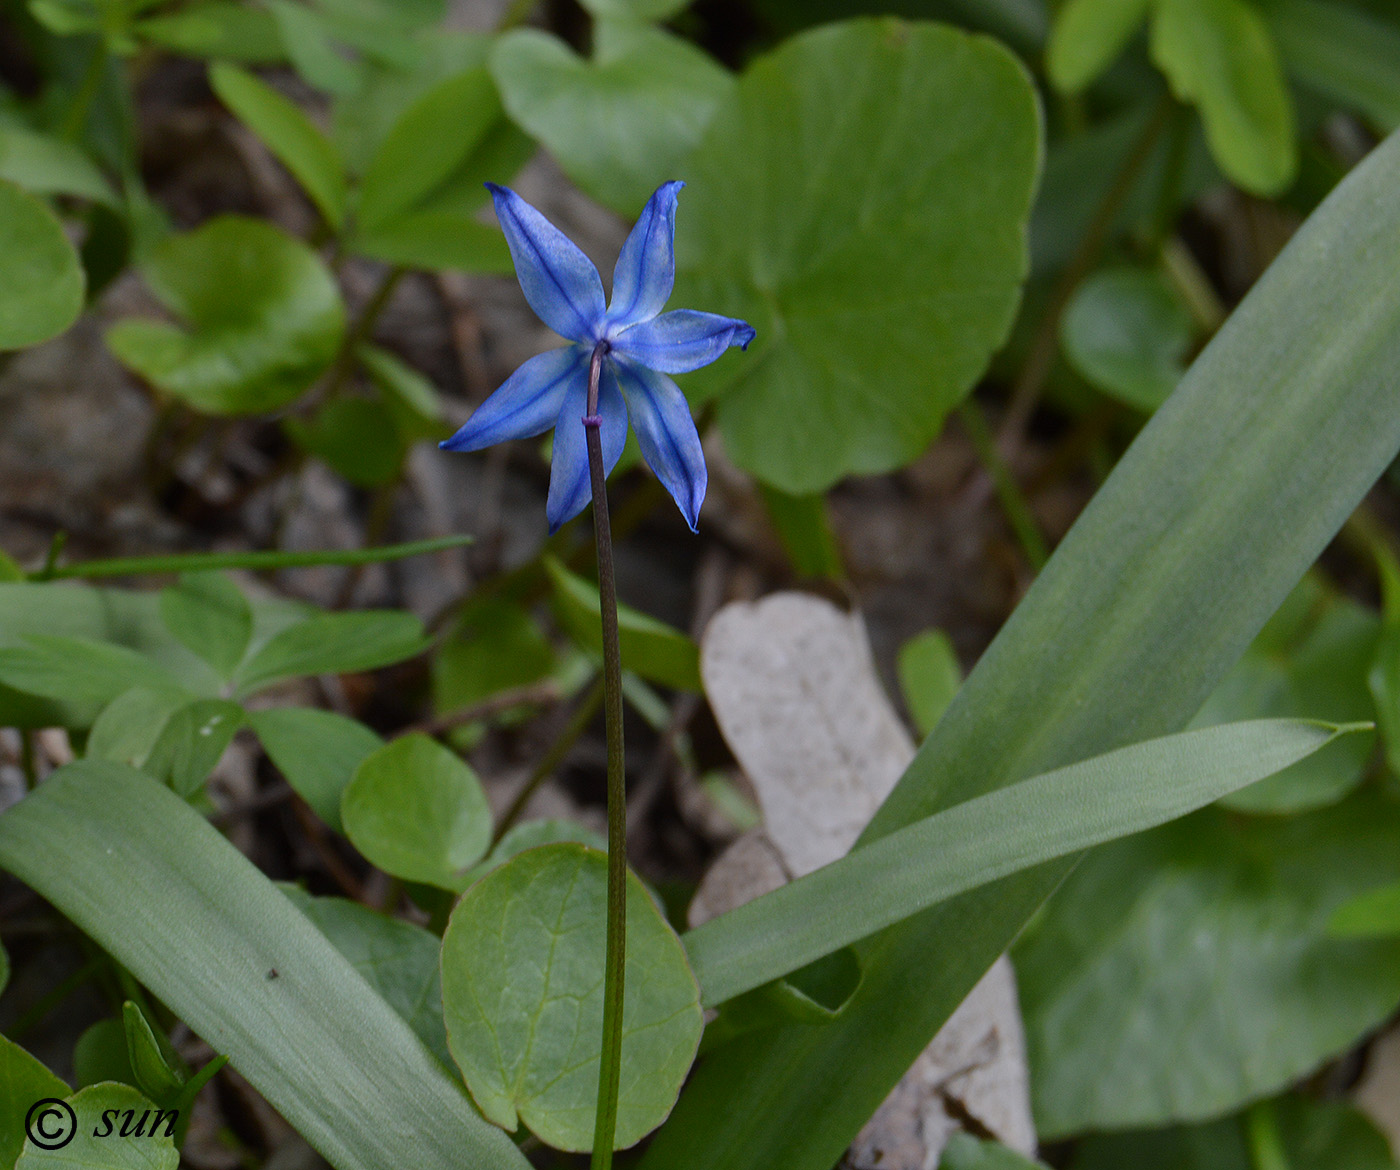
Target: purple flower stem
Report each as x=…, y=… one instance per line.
x=610, y=1069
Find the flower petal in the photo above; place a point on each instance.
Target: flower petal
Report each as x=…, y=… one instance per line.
x=683, y=340
x=646, y=268
x=527, y=403
x=559, y=281
x=569, y=486
x=669, y=441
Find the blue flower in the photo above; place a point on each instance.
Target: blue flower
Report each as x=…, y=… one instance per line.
x=639, y=346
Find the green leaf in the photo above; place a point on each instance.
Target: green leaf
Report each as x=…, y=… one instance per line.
x=494, y=646
x=193, y=920
x=224, y=29
x=1128, y=333
x=101, y=1055
x=988, y=837
x=192, y=742
x=1373, y=914
x=522, y=988
x=48, y=165
x=147, y=1054
x=929, y=677
x=1219, y=56
x=307, y=41
x=412, y=398
x=620, y=124
x=634, y=9
x=831, y=205
x=1342, y=53
x=804, y=527
x=397, y=959
x=1209, y=911
x=1314, y=1135
x=317, y=751
x=1281, y=426
x=531, y=835
x=23, y=1080
x=1383, y=678
x=128, y=726
x=1309, y=662
x=334, y=643
x=4, y=981
x=965, y=1152
x=209, y=615
x=1087, y=37
x=41, y=281
x=289, y=134
x=100, y=1116
x=416, y=156
x=416, y=811
x=355, y=437
x=264, y=318
x=81, y=671
x=650, y=648
x=437, y=241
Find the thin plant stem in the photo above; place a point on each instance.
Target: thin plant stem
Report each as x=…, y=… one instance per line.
x=578, y=722
x=610, y=1067
x=1013, y=503
x=1041, y=357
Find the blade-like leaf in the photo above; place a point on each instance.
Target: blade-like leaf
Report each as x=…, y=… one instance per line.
x=153, y=883
x=988, y=837
x=1226, y=497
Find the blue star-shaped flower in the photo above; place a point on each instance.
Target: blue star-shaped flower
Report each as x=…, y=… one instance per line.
x=639, y=346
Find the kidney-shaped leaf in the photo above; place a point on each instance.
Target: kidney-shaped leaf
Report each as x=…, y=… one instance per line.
x=418, y=812
x=100, y=1117
x=522, y=989
x=263, y=317
x=41, y=281
x=1178, y=975
x=620, y=124
x=861, y=199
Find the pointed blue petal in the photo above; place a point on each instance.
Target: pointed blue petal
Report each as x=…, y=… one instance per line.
x=681, y=341
x=559, y=281
x=527, y=403
x=569, y=487
x=667, y=435
x=646, y=269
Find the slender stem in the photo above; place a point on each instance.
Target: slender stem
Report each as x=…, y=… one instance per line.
x=578, y=722
x=1013, y=503
x=1040, y=359
x=610, y=1068
x=195, y=562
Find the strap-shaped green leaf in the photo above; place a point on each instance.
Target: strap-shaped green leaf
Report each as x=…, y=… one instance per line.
x=1221, y=504
x=988, y=837
x=152, y=882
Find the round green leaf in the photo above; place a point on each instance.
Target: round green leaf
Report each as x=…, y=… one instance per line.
x=620, y=124
x=417, y=812
x=23, y=1080
x=531, y=835
x=1182, y=973
x=101, y=1115
x=1087, y=37
x=41, y=280
x=264, y=318
x=929, y=677
x=635, y=9
x=522, y=988
x=861, y=199
x=1128, y=334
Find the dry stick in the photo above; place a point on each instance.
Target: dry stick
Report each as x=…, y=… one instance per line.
x=610, y=1067
x=1041, y=357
